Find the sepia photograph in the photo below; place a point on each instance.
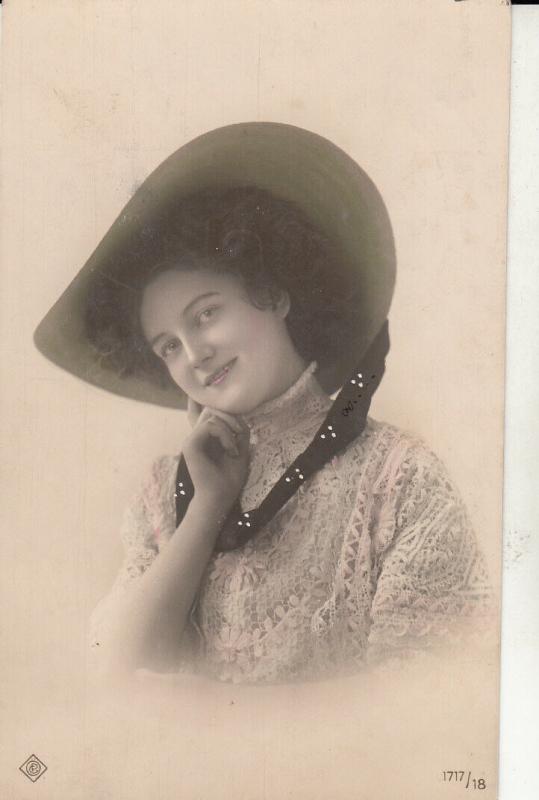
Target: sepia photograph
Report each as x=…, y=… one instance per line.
x=254, y=307
x=294, y=536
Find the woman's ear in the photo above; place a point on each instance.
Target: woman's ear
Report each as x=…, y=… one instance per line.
x=282, y=304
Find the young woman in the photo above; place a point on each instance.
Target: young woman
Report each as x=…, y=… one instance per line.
x=293, y=538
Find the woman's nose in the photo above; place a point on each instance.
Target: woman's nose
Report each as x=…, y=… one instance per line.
x=197, y=351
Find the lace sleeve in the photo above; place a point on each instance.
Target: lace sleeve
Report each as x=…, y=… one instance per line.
x=148, y=523
x=431, y=576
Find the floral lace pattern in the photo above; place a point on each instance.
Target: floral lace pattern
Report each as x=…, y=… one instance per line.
x=373, y=557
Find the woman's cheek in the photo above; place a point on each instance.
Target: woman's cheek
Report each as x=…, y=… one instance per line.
x=178, y=376
x=234, y=327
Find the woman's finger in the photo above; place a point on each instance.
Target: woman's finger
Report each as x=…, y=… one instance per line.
x=231, y=421
x=220, y=430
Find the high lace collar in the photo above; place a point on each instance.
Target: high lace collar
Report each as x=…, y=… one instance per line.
x=302, y=403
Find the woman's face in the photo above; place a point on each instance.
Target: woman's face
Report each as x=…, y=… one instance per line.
x=218, y=347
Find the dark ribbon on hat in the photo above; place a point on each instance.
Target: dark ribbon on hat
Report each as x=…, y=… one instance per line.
x=344, y=422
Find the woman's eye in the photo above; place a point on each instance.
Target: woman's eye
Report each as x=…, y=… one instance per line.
x=169, y=347
x=206, y=315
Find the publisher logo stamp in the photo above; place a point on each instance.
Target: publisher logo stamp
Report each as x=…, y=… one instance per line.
x=33, y=768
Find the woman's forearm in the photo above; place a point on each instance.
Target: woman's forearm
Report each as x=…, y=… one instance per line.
x=152, y=615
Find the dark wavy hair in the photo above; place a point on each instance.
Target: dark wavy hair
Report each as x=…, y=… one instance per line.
x=246, y=231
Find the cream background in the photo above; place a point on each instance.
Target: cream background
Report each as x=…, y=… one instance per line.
x=95, y=95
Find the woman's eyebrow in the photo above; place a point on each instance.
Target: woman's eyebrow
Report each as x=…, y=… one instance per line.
x=185, y=311
x=193, y=302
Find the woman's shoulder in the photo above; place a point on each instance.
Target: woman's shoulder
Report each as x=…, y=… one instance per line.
x=156, y=478
x=390, y=440
x=394, y=456
x=163, y=468
x=153, y=501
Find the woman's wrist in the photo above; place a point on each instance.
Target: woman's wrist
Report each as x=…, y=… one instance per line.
x=212, y=507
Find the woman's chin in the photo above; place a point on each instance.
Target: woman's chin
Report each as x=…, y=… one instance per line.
x=237, y=406
x=235, y=409
x=235, y=400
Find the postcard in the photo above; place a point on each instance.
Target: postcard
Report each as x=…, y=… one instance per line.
x=253, y=314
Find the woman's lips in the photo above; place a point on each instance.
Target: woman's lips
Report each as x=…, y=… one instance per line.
x=219, y=375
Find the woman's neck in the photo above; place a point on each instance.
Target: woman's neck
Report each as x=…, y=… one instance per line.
x=302, y=400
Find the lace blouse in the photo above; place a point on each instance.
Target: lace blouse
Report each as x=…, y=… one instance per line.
x=373, y=557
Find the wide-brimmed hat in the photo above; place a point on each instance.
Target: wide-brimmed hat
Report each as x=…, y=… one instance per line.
x=297, y=165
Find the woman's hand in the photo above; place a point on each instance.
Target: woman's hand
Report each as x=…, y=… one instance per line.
x=217, y=455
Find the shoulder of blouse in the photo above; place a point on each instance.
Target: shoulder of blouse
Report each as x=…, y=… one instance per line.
x=151, y=512
x=387, y=437
x=406, y=441
x=398, y=460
